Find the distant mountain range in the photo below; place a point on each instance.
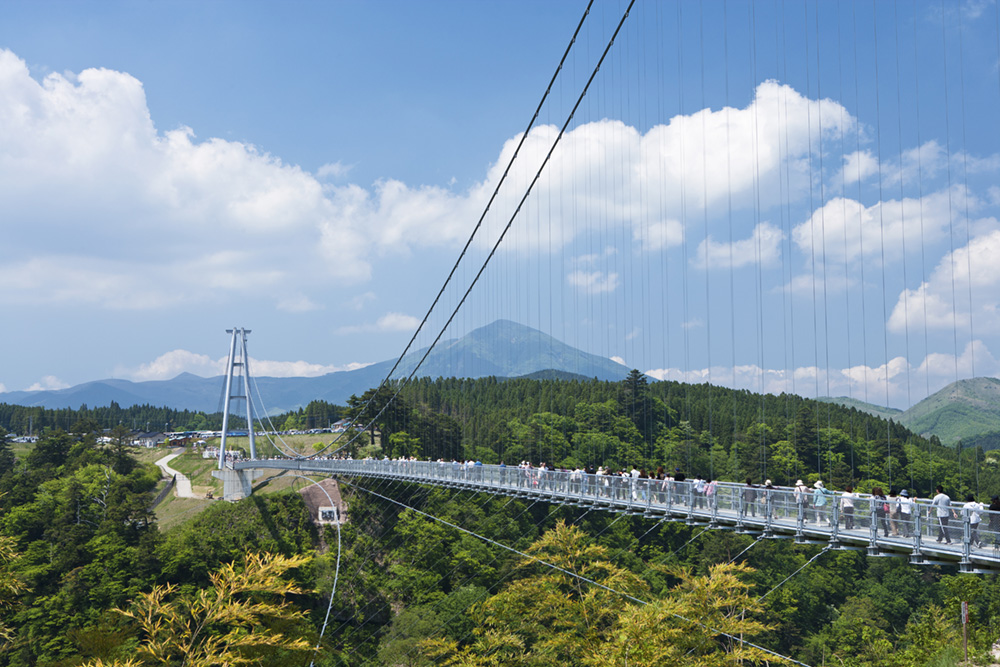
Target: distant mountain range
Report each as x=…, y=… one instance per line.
x=501, y=349
x=967, y=410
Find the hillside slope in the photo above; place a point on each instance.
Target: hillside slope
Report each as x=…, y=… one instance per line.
x=961, y=411
x=870, y=408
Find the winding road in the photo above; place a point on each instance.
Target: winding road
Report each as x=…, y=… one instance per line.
x=182, y=486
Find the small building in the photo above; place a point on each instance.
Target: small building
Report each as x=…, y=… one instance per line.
x=149, y=439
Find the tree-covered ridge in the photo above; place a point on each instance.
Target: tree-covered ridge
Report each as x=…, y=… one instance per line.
x=701, y=429
x=19, y=419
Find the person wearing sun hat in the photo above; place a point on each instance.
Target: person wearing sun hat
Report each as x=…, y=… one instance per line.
x=819, y=502
x=801, y=494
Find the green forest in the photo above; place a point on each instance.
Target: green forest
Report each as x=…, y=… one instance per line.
x=443, y=576
x=28, y=420
x=714, y=432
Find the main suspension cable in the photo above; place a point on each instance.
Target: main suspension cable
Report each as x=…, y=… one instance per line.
x=475, y=231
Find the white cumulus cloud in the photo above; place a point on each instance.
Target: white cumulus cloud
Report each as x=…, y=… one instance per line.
x=858, y=166
x=93, y=191
x=942, y=302
x=47, y=383
x=763, y=248
x=593, y=282
x=897, y=380
x=171, y=364
x=390, y=322
x=846, y=230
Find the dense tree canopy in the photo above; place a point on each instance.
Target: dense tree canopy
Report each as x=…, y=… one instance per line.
x=85, y=572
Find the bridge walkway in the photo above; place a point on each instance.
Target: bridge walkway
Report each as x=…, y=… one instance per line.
x=771, y=513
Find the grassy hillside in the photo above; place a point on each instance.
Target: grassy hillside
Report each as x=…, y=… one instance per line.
x=961, y=411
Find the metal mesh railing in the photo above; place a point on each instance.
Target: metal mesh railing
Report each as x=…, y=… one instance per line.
x=889, y=525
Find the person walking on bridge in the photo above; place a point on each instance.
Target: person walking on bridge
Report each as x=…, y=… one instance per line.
x=801, y=494
x=973, y=513
x=942, y=503
x=819, y=502
x=881, y=504
x=995, y=520
x=905, y=513
x=749, y=498
x=847, y=507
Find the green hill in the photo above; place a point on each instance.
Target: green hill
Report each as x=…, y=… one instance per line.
x=861, y=406
x=964, y=410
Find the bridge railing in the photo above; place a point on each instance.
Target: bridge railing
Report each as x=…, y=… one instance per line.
x=883, y=525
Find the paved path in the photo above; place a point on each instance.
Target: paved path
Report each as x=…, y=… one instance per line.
x=182, y=487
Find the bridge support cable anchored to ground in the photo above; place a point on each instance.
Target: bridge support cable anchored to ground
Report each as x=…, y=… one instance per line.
x=491, y=563
x=510, y=222
x=495, y=584
x=430, y=547
x=336, y=573
x=368, y=557
x=580, y=577
x=482, y=217
x=752, y=545
x=789, y=577
x=681, y=547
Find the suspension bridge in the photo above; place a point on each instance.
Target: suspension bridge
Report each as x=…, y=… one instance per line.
x=815, y=214
x=768, y=513
x=790, y=199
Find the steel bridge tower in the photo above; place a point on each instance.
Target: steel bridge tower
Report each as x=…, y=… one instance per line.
x=238, y=360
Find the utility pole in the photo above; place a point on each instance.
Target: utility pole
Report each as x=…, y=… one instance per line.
x=965, y=630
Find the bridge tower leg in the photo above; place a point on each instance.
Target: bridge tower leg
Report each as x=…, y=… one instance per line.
x=238, y=359
x=236, y=484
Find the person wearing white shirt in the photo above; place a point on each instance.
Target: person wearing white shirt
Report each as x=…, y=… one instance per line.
x=847, y=507
x=972, y=511
x=944, y=512
x=905, y=512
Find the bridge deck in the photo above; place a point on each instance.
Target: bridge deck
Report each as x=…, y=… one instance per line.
x=775, y=513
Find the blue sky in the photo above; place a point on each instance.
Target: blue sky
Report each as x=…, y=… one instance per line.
x=774, y=195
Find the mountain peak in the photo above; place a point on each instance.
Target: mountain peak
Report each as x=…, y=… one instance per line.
x=502, y=348
x=962, y=410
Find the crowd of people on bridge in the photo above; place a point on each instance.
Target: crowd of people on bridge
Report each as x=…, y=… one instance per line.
x=894, y=513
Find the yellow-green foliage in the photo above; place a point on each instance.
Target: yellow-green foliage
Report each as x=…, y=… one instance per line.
x=238, y=618
x=552, y=617
x=10, y=585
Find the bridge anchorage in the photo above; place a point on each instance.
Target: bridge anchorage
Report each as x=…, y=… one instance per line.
x=768, y=513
